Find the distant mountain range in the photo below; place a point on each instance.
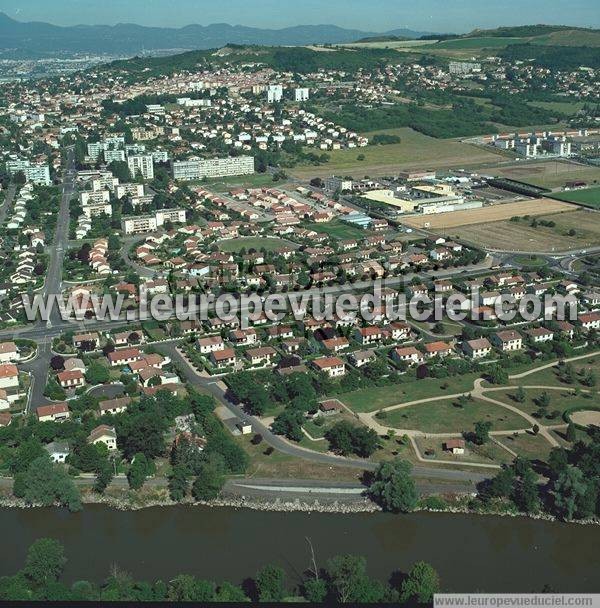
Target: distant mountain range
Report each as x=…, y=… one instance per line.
x=36, y=39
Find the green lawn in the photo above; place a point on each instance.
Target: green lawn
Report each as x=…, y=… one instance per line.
x=375, y=398
x=588, y=197
x=531, y=260
x=559, y=401
x=223, y=184
x=527, y=445
x=448, y=417
x=236, y=245
x=551, y=375
x=490, y=453
x=339, y=230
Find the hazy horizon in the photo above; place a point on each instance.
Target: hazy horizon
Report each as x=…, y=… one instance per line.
x=376, y=15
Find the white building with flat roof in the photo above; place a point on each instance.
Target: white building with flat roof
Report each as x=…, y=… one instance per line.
x=141, y=164
x=196, y=169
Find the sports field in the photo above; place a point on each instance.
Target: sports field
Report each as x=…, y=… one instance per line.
x=588, y=197
x=571, y=230
x=493, y=213
x=415, y=151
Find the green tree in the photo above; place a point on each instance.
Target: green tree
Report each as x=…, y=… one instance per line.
x=571, y=435
x=527, y=496
x=315, y=590
x=97, y=374
x=569, y=491
x=45, y=484
x=501, y=485
x=482, y=432
x=45, y=561
x=178, y=483
x=393, y=487
x=270, y=584
x=520, y=395
x=421, y=583
x=138, y=471
x=349, y=582
x=209, y=482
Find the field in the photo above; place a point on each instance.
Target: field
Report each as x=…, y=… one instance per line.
x=270, y=244
x=489, y=453
x=339, y=230
x=404, y=45
x=494, y=213
x=449, y=417
x=588, y=197
x=526, y=445
x=549, y=174
x=559, y=402
x=415, y=151
x=521, y=236
x=375, y=398
x=477, y=43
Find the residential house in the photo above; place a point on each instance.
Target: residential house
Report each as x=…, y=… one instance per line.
x=332, y=366
x=509, y=340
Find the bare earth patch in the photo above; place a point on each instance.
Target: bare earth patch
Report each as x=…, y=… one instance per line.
x=586, y=418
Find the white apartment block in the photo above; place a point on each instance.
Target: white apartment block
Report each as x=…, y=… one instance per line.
x=301, y=94
x=274, y=93
x=150, y=223
x=117, y=156
x=129, y=190
x=141, y=164
x=38, y=174
x=196, y=169
x=96, y=209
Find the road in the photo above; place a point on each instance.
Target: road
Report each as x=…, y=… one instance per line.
x=39, y=331
x=454, y=480
x=8, y=201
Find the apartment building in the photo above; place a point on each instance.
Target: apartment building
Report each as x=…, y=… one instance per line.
x=195, y=169
x=36, y=173
x=141, y=164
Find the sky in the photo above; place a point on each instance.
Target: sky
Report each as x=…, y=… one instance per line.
x=367, y=15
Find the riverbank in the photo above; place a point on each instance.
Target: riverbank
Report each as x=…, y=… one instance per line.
x=453, y=504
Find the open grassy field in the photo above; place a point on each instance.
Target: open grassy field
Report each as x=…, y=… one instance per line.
x=415, y=151
x=385, y=44
x=449, y=417
x=477, y=43
x=551, y=375
x=484, y=215
x=521, y=236
x=375, y=398
x=224, y=184
x=490, y=453
x=282, y=466
x=588, y=197
x=339, y=230
x=549, y=174
x=527, y=445
x=559, y=401
x=270, y=244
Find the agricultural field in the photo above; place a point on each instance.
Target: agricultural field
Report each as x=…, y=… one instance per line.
x=522, y=236
x=247, y=243
x=588, y=197
x=549, y=174
x=415, y=151
x=485, y=215
x=450, y=416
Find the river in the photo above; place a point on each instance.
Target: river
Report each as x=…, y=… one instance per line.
x=471, y=553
